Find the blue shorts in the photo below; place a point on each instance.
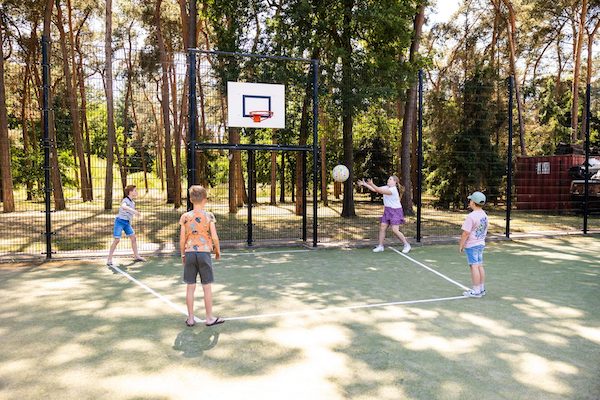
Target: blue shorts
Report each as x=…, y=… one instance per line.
x=120, y=226
x=475, y=255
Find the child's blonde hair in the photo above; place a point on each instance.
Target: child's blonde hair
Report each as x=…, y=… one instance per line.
x=197, y=193
x=398, y=185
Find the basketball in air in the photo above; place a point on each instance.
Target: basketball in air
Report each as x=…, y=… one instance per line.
x=340, y=173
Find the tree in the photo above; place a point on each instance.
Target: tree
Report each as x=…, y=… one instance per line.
x=410, y=115
x=57, y=188
x=578, y=46
x=110, y=108
x=512, y=44
x=8, y=201
x=86, y=187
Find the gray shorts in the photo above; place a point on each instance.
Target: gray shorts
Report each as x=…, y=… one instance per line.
x=197, y=262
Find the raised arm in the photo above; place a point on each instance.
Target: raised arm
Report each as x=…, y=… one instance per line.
x=377, y=189
x=127, y=208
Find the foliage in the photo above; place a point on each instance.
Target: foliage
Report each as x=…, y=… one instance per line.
x=374, y=157
x=463, y=158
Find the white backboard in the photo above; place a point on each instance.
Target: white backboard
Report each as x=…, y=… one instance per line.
x=244, y=97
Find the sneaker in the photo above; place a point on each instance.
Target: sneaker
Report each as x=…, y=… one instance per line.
x=406, y=248
x=482, y=292
x=378, y=249
x=472, y=293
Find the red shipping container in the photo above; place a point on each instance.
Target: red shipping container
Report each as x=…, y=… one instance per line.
x=543, y=183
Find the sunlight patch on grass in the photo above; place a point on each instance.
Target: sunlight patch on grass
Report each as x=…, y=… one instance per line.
x=412, y=339
x=589, y=333
x=555, y=311
x=68, y=353
x=492, y=326
x=17, y=366
x=541, y=373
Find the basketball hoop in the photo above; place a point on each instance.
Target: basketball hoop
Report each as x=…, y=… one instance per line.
x=259, y=116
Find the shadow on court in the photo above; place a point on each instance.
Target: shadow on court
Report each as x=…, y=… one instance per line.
x=536, y=335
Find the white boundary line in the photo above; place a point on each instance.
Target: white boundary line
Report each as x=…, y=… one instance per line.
x=259, y=253
x=152, y=291
x=282, y=314
x=431, y=269
x=331, y=309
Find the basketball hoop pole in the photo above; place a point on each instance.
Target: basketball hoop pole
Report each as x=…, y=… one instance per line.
x=192, y=110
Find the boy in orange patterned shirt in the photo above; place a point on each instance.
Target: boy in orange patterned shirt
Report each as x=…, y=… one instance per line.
x=198, y=238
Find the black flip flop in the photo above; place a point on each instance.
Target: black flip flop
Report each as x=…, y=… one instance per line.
x=217, y=321
x=188, y=324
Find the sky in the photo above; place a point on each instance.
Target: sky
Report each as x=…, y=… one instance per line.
x=441, y=11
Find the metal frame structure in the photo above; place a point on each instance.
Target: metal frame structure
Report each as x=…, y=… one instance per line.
x=194, y=146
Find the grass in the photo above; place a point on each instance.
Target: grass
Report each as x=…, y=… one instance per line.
x=87, y=226
x=85, y=332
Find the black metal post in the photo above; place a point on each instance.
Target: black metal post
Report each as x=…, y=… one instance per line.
x=587, y=160
x=509, y=156
x=250, y=193
x=46, y=141
x=192, y=104
x=304, y=183
x=315, y=65
x=420, y=157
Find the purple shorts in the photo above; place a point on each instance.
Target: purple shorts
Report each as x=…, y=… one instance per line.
x=392, y=216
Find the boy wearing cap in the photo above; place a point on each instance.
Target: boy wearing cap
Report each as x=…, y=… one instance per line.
x=472, y=241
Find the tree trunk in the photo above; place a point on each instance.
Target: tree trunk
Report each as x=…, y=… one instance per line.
x=347, y=109
x=110, y=109
x=86, y=189
x=8, y=200
x=234, y=138
x=410, y=117
x=158, y=144
x=164, y=61
x=24, y=125
x=57, y=188
x=273, y=200
x=282, y=179
x=590, y=67
x=575, y=135
x=141, y=140
x=324, y=133
x=177, y=124
x=511, y=23
x=303, y=138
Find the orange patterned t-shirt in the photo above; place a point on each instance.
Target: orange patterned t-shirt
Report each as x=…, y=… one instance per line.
x=197, y=230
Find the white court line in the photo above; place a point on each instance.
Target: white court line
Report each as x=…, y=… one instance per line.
x=152, y=291
x=259, y=253
x=283, y=314
x=330, y=309
x=431, y=269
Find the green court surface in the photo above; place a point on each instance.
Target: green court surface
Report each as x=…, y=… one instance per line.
x=311, y=324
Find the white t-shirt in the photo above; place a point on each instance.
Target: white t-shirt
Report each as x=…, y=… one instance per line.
x=126, y=214
x=392, y=200
x=476, y=223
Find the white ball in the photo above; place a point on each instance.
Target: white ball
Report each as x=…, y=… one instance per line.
x=340, y=173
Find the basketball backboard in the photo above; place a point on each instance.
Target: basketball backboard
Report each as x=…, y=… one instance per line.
x=246, y=100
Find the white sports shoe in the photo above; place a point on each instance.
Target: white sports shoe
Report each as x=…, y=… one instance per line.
x=406, y=248
x=472, y=293
x=378, y=249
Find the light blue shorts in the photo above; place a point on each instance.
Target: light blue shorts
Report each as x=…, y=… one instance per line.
x=475, y=255
x=120, y=226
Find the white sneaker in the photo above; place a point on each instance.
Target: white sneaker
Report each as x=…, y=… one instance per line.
x=472, y=293
x=406, y=248
x=378, y=249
